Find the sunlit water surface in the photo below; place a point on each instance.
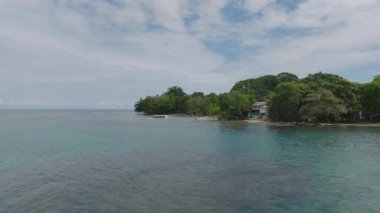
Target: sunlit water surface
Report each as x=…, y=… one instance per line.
x=116, y=161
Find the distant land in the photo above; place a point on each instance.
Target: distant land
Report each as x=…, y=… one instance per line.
x=319, y=97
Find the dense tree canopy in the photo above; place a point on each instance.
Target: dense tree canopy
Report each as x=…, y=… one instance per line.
x=319, y=97
x=172, y=101
x=346, y=91
x=322, y=106
x=258, y=87
x=261, y=86
x=227, y=105
x=286, y=77
x=177, y=98
x=286, y=101
x=370, y=99
x=198, y=104
x=235, y=104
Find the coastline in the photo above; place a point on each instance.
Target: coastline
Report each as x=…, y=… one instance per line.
x=205, y=118
x=312, y=125
x=272, y=123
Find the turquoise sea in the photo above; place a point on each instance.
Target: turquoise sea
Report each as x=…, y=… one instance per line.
x=116, y=161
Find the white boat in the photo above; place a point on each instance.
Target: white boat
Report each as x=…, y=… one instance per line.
x=159, y=116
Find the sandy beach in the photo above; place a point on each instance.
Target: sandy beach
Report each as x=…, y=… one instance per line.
x=206, y=118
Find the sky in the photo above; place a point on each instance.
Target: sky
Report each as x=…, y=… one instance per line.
x=109, y=53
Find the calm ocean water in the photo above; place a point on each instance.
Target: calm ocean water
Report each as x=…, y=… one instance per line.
x=116, y=161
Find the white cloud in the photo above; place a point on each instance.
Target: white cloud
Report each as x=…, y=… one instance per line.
x=257, y=5
x=76, y=52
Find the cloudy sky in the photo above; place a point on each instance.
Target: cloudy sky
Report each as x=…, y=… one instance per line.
x=108, y=53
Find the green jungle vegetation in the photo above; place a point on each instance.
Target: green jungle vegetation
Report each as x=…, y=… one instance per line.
x=319, y=97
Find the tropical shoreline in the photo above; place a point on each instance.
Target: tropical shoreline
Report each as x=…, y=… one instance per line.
x=273, y=123
x=319, y=99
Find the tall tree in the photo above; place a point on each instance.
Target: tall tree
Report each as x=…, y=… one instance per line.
x=198, y=104
x=376, y=78
x=370, y=99
x=235, y=104
x=258, y=87
x=178, y=99
x=322, y=106
x=286, y=101
x=286, y=77
x=341, y=88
